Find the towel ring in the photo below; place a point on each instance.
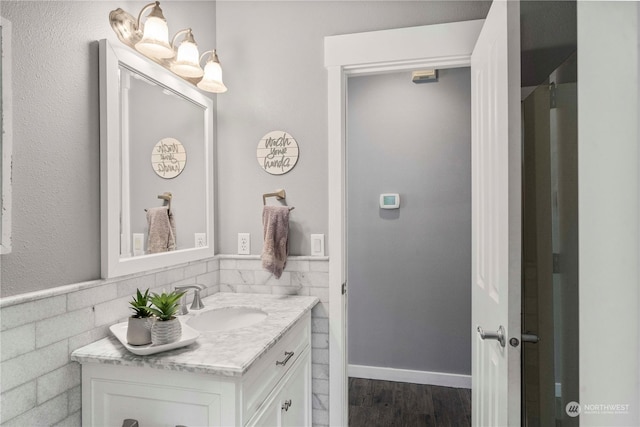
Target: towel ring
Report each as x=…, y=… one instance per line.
x=278, y=194
x=167, y=197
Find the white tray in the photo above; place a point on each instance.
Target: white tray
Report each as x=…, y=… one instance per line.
x=189, y=335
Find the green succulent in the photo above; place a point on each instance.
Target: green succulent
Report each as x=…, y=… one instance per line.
x=165, y=305
x=140, y=304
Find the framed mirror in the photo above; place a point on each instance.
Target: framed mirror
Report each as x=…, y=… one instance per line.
x=156, y=154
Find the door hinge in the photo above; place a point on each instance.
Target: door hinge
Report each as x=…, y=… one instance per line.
x=556, y=263
x=552, y=95
x=344, y=288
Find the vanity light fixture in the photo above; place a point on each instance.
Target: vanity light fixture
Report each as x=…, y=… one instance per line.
x=187, y=62
x=151, y=39
x=212, y=80
x=155, y=34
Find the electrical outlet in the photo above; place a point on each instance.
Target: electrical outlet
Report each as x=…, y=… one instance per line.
x=200, y=240
x=244, y=244
x=138, y=244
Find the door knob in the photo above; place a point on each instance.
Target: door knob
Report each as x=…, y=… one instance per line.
x=498, y=335
x=532, y=338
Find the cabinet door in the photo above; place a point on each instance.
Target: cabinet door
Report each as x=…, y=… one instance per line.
x=295, y=398
x=269, y=416
x=290, y=403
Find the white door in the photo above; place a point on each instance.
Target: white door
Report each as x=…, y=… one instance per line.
x=496, y=217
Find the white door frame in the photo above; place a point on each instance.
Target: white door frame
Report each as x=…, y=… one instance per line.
x=609, y=211
x=441, y=46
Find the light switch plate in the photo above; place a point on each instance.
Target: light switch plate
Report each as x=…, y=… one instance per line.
x=317, y=245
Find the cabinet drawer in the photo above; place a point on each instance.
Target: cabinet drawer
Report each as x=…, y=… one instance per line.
x=111, y=394
x=269, y=370
x=116, y=401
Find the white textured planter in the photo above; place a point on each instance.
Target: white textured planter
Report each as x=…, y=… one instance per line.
x=165, y=332
x=138, y=332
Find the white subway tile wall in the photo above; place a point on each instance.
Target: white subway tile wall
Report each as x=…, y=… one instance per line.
x=39, y=385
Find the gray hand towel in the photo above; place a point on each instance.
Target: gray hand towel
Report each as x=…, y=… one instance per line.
x=275, y=220
x=162, y=230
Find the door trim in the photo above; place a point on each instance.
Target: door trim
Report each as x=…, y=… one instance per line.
x=441, y=46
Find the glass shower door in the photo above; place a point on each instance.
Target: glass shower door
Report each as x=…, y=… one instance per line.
x=550, y=250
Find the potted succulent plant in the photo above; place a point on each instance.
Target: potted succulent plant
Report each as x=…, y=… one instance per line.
x=138, y=332
x=166, y=327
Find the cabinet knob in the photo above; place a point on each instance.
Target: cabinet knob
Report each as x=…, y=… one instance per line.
x=286, y=405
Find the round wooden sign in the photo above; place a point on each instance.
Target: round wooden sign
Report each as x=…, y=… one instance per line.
x=168, y=158
x=277, y=152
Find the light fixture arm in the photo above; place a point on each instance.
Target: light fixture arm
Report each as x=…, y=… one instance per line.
x=188, y=37
x=153, y=13
x=214, y=56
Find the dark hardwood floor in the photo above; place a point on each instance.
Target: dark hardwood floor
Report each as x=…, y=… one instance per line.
x=374, y=403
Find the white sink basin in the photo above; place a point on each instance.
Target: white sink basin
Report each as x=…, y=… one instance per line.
x=225, y=319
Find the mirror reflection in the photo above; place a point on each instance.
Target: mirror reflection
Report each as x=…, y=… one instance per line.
x=163, y=153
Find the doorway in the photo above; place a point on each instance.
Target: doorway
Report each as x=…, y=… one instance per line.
x=347, y=56
x=409, y=267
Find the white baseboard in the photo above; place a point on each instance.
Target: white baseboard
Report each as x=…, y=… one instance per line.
x=408, y=376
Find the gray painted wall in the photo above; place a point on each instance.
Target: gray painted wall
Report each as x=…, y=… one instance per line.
x=409, y=270
x=272, y=57
x=272, y=54
x=56, y=131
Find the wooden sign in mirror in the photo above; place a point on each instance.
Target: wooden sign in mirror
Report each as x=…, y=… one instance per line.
x=168, y=158
x=277, y=152
x=149, y=111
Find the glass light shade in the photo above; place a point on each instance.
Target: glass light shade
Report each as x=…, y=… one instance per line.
x=212, y=80
x=155, y=40
x=187, y=61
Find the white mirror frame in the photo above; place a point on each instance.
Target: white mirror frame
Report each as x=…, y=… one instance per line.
x=7, y=137
x=113, y=265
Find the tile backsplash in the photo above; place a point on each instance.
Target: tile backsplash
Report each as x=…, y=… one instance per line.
x=302, y=276
x=39, y=385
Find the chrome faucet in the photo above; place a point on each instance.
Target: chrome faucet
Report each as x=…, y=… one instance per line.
x=197, y=302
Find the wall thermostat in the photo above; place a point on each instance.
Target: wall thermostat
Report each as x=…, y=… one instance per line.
x=389, y=201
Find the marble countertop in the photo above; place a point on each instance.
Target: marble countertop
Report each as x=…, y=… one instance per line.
x=228, y=353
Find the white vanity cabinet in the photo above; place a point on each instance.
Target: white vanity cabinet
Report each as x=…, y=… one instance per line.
x=274, y=391
x=289, y=404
